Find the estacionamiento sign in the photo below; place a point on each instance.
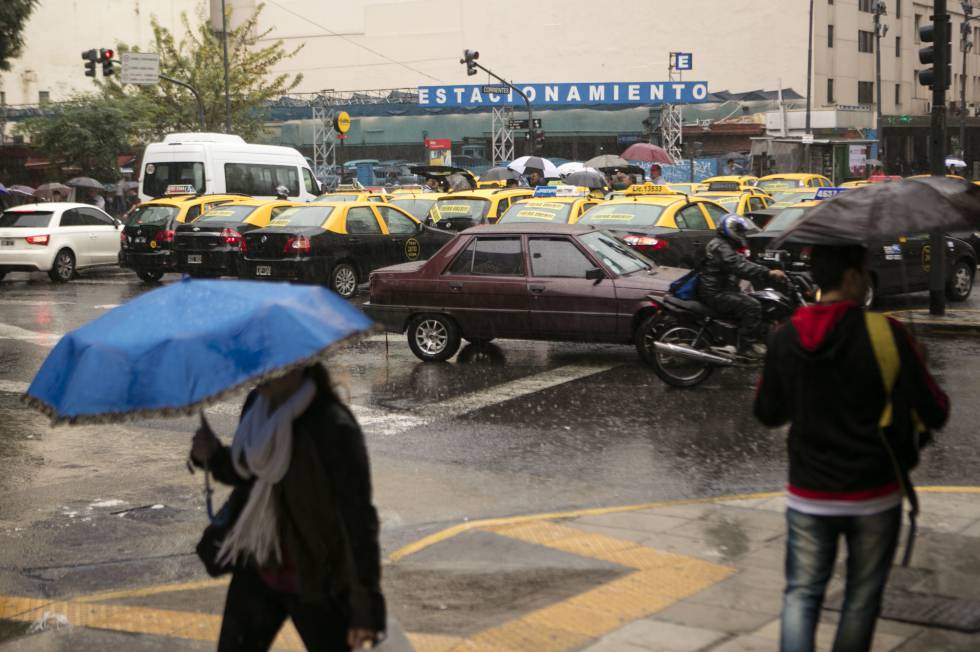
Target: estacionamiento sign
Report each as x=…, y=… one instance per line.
x=568, y=94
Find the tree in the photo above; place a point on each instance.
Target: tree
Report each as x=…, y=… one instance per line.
x=86, y=132
x=197, y=59
x=13, y=17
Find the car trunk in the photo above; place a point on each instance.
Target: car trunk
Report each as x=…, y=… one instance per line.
x=139, y=237
x=271, y=243
x=203, y=236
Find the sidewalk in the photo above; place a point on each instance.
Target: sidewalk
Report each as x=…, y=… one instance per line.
x=682, y=576
x=954, y=322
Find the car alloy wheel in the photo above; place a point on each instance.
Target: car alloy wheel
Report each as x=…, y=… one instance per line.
x=344, y=280
x=64, y=267
x=960, y=283
x=433, y=338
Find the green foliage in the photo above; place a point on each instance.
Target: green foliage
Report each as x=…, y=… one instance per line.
x=13, y=17
x=196, y=58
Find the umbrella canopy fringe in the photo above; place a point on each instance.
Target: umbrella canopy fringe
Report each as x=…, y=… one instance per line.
x=187, y=410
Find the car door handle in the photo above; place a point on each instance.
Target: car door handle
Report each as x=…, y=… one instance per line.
x=536, y=289
x=353, y=240
x=456, y=286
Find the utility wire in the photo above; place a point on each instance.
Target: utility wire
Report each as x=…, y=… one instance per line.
x=353, y=42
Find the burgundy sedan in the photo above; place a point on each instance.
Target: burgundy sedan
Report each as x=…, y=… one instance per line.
x=519, y=281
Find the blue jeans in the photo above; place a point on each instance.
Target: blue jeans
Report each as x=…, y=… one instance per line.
x=811, y=549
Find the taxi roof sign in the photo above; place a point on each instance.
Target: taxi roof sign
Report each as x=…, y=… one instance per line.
x=181, y=189
x=650, y=189
x=828, y=193
x=563, y=190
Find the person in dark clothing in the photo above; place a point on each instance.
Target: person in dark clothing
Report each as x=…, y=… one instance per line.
x=718, y=278
x=305, y=544
x=823, y=375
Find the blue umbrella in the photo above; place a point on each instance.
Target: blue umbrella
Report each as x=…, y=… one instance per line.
x=185, y=345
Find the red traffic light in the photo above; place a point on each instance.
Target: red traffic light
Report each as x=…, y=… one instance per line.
x=106, y=54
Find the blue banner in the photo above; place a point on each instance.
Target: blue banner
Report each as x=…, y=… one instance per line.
x=568, y=94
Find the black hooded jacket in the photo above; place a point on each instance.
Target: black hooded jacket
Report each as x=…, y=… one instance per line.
x=821, y=376
x=723, y=266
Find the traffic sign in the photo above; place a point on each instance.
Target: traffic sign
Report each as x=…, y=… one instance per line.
x=495, y=90
x=683, y=60
x=342, y=122
x=807, y=139
x=523, y=124
x=140, y=68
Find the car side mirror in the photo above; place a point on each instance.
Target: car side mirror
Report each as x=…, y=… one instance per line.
x=595, y=274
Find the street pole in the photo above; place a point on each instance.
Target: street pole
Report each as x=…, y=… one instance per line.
x=197, y=97
x=880, y=30
x=224, y=47
x=966, y=45
x=937, y=158
x=527, y=103
x=809, y=84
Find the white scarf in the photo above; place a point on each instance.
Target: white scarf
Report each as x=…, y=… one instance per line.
x=265, y=441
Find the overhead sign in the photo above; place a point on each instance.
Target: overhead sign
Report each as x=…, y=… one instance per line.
x=568, y=94
x=342, y=122
x=141, y=68
x=682, y=60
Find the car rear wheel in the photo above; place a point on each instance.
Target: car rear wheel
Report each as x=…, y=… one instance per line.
x=960, y=283
x=433, y=338
x=149, y=275
x=871, y=294
x=2, y=274
x=647, y=334
x=343, y=280
x=63, y=268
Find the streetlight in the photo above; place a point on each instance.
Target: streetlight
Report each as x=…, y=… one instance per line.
x=880, y=30
x=469, y=60
x=965, y=45
x=809, y=84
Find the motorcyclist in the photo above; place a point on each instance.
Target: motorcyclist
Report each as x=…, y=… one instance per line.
x=718, y=286
x=282, y=192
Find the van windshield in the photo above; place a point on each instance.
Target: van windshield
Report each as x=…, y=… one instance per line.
x=157, y=176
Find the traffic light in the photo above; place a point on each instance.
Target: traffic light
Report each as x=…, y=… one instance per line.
x=105, y=56
x=469, y=58
x=538, y=141
x=90, y=57
x=939, y=54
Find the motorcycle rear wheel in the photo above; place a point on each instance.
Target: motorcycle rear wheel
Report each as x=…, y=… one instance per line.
x=678, y=371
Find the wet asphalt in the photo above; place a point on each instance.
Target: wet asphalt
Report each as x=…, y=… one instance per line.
x=517, y=427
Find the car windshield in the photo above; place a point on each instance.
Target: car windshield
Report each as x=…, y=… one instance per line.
x=472, y=208
x=152, y=214
x=416, y=207
x=25, y=219
x=303, y=216
x=338, y=197
x=537, y=212
x=730, y=203
x=785, y=199
x=228, y=213
x=785, y=219
x=157, y=176
x=614, y=254
x=623, y=215
x=777, y=184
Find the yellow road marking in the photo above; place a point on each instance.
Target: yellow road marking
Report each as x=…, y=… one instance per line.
x=433, y=642
x=152, y=590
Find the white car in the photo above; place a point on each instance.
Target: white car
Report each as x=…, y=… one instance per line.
x=58, y=238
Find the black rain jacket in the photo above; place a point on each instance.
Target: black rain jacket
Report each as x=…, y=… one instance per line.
x=723, y=266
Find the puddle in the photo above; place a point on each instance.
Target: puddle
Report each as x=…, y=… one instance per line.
x=10, y=629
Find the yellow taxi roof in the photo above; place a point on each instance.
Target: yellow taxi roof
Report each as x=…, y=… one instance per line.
x=487, y=193
x=659, y=200
x=796, y=176
x=552, y=200
x=733, y=178
x=728, y=193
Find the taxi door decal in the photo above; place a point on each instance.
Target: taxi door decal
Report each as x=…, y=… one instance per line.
x=412, y=249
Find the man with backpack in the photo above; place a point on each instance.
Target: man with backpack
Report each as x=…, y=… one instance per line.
x=859, y=399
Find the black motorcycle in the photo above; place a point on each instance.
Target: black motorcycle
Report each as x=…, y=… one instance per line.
x=686, y=340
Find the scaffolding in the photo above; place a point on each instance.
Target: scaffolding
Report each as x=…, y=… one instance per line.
x=503, y=134
x=672, y=120
x=324, y=139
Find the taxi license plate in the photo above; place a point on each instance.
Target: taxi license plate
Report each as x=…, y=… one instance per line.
x=771, y=255
x=194, y=259
x=263, y=270
x=6, y=243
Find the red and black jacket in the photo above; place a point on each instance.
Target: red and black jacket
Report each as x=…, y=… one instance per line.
x=822, y=377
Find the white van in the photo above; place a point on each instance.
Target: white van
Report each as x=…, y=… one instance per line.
x=223, y=163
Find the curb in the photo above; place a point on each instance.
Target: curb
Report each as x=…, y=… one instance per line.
x=922, y=322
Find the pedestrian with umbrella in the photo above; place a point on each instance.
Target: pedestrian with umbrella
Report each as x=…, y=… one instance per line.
x=535, y=169
x=860, y=402
x=299, y=533
x=93, y=189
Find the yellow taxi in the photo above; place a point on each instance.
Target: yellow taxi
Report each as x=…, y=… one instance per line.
x=353, y=193
x=337, y=244
x=461, y=210
x=146, y=240
x=741, y=203
x=948, y=176
x=687, y=188
x=670, y=227
x=857, y=183
x=790, y=197
x=786, y=180
x=730, y=183
x=212, y=245
x=417, y=204
x=561, y=204
x=493, y=183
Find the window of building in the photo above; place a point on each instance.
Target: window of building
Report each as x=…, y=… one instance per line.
x=43, y=97
x=898, y=46
x=866, y=41
x=830, y=36
x=866, y=92
x=865, y=5
x=918, y=23
x=898, y=94
x=830, y=91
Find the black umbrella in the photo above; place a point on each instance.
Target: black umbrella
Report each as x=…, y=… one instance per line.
x=443, y=172
x=591, y=179
x=500, y=174
x=887, y=210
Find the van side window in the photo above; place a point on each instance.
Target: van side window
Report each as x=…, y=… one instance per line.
x=310, y=183
x=260, y=178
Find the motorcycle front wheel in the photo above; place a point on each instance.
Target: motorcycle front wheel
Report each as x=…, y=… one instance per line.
x=676, y=370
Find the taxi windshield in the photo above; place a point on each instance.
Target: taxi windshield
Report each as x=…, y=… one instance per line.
x=727, y=202
x=303, y=216
x=152, y=214
x=784, y=199
x=537, y=212
x=777, y=184
x=471, y=208
x=416, y=207
x=614, y=254
x=338, y=197
x=623, y=215
x=784, y=220
x=228, y=213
